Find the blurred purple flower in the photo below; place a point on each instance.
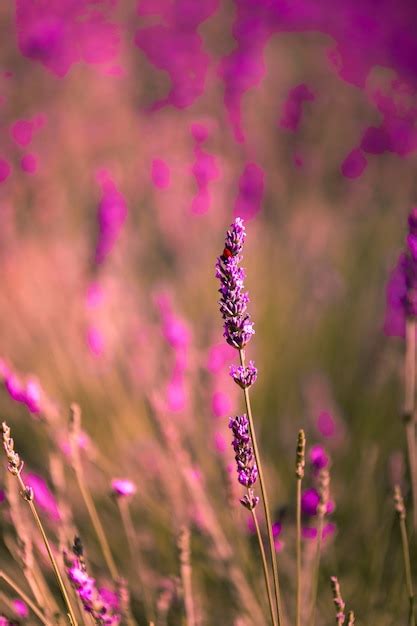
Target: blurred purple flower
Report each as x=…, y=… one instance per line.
x=29, y=163
x=310, y=500
x=293, y=107
x=123, y=487
x=326, y=424
x=354, y=164
x=221, y=403
x=251, y=191
x=43, y=496
x=401, y=292
x=29, y=393
x=92, y=600
x=5, y=170
x=318, y=457
x=22, y=131
x=112, y=213
x=20, y=608
x=160, y=174
x=218, y=356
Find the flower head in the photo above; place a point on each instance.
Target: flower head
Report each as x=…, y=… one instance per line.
x=238, y=328
x=402, y=285
x=123, y=487
x=244, y=375
x=93, y=600
x=247, y=470
x=318, y=457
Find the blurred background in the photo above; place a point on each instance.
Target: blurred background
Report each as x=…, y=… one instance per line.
x=132, y=133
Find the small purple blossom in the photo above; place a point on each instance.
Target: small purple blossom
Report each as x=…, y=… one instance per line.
x=318, y=457
x=238, y=327
x=20, y=608
x=94, y=601
x=249, y=500
x=401, y=293
x=247, y=470
x=244, y=375
x=310, y=500
x=123, y=487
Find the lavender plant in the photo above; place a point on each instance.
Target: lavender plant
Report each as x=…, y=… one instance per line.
x=238, y=330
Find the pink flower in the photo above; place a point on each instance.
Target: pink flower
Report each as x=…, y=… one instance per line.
x=123, y=487
x=20, y=608
x=43, y=495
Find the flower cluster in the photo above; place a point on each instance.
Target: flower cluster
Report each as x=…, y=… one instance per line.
x=94, y=601
x=244, y=375
x=402, y=286
x=28, y=392
x=242, y=445
x=238, y=328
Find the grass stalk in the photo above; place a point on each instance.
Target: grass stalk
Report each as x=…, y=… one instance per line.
x=19, y=591
x=299, y=472
x=129, y=529
x=400, y=508
x=15, y=466
x=75, y=419
x=265, y=500
x=316, y=568
x=323, y=489
x=409, y=408
x=264, y=567
x=186, y=574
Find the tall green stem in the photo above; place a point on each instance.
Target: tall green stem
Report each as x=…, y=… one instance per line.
x=264, y=567
x=265, y=501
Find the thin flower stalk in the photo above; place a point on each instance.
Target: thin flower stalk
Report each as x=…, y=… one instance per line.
x=23, y=551
x=299, y=472
x=264, y=497
x=184, y=548
x=15, y=466
x=247, y=472
x=409, y=407
x=75, y=424
x=323, y=489
x=338, y=601
x=124, y=510
x=264, y=564
x=401, y=512
x=13, y=585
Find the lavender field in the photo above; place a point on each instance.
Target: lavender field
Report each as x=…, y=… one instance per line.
x=208, y=305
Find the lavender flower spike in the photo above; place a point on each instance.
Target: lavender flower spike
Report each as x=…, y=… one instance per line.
x=247, y=470
x=238, y=327
x=244, y=375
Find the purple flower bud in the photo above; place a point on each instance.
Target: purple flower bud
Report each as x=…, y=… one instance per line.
x=244, y=376
x=20, y=608
x=309, y=501
x=249, y=500
x=318, y=457
x=123, y=487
